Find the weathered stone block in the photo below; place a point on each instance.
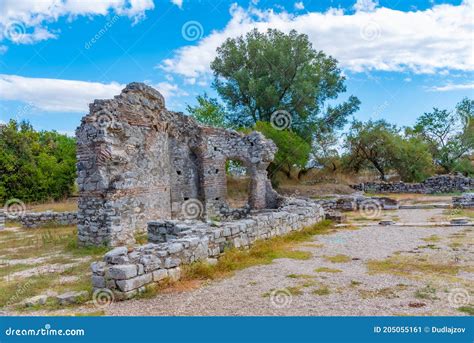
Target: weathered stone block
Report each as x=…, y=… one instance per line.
x=136, y=282
x=121, y=272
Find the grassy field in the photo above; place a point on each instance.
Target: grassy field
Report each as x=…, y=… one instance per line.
x=43, y=261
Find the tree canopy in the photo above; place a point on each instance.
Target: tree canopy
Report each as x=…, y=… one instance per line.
x=449, y=134
x=261, y=73
x=35, y=166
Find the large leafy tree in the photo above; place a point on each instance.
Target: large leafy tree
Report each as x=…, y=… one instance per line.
x=449, y=134
x=261, y=73
x=372, y=143
x=380, y=146
x=412, y=159
x=34, y=165
x=208, y=111
x=292, y=151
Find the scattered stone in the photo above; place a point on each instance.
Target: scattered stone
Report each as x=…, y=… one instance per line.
x=459, y=221
x=36, y=300
x=432, y=185
x=335, y=216
x=416, y=304
x=68, y=279
x=386, y=222
x=72, y=297
x=464, y=201
x=122, y=272
x=212, y=261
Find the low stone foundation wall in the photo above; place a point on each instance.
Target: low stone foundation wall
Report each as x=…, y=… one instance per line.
x=39, y=219
x=2, y=220
x=435, y=184
x=464, y=201
x=173, y=243
x=356, y=202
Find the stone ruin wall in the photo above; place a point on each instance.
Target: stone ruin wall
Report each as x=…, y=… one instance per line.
x=35, y=220
x=432, y=185
x=126, y=272
x=138, y=162
x=464, y=201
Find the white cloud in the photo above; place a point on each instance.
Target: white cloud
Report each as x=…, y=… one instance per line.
x=178, y=3
x=169, y=90
x=299, y=5
x=24, y=21
x=365, y=5
x=385, y=39
x=452, y=87
x=55, y=95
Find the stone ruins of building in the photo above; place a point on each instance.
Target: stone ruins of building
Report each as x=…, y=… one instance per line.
x=432, y=185
x=139, y=162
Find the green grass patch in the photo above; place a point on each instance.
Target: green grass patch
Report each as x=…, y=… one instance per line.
x=428, y=293
x=432, y=239
x=295, y=290
x=299, y=276
x=321, y=291
x=327, y=270
x=411, y=266
x=467, y=309
x=338, y=258
x=262, y=252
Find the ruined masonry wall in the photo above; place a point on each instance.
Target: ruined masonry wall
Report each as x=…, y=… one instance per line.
x=464, y=201
x=435, y=184
x=138, y=162
x=40, y=219
x=2, y=220
x=127, y=272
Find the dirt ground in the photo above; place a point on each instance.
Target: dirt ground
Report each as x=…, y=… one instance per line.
x=367, y=270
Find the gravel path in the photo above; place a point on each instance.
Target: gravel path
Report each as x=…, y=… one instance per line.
x=294, y=288
x=267, y=289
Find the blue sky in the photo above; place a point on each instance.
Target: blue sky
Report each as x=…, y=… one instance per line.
x=400, y=58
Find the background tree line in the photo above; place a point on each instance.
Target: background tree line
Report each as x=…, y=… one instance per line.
x=280, y=85
x=35, y=166
x=262, y=74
